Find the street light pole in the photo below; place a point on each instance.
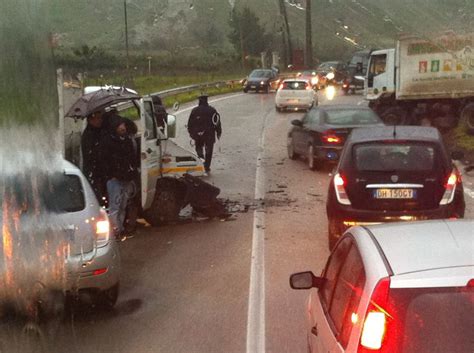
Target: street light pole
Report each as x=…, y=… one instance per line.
x=126, y=35
x=308, y=58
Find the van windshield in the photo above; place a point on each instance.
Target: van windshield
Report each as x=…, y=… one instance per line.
x=433, y=320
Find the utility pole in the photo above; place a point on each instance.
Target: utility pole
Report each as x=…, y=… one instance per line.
x=308, y=57
x=286, y=27
x=126, y=37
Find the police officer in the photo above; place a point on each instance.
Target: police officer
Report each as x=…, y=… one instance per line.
x=203, y=126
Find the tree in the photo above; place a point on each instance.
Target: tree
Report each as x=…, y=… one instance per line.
x=247, y=35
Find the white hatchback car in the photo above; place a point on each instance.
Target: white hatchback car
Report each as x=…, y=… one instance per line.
x=398, y=288
x=295, y=94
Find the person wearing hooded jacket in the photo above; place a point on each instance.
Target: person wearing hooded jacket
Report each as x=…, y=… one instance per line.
x=119, y=160
x=91, y=143
x=203, y=125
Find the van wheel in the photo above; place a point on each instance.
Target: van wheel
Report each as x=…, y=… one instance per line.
x=108, y=298
x=167, y=204
x=467, y=118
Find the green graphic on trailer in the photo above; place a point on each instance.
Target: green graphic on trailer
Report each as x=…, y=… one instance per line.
x=434, y=65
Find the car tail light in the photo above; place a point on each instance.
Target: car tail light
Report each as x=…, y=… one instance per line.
x=281, y=86
x=102, y=229
x=375, y=327
x=339, y=186
x=330, y=137
x=450, y=188
x=308, y=87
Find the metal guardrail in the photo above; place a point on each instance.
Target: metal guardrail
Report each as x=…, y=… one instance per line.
x=196, y=87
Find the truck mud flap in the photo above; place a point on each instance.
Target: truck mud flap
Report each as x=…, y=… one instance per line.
x=202, y=197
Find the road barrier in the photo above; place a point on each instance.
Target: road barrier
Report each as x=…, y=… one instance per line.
x=197, y=87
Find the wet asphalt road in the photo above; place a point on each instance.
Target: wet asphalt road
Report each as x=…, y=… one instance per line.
x=187, y=287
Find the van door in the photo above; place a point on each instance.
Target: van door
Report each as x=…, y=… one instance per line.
x=150, y=152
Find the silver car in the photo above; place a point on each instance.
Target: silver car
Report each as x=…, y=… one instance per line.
x=56, y=235
x=398, y=288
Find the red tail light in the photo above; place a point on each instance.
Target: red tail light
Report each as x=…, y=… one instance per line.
x=330, y=137
x=341, y=193
x=281, y=86
x=102, y=229
x=374, y=330
x=450, y=189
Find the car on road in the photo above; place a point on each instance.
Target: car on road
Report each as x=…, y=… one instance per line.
x=339, y=69
x=295, y=94
x=320, y=135
x=393, y=173
x=92, y=263
x=261, y=80
x=397, y=288
x=311, y=76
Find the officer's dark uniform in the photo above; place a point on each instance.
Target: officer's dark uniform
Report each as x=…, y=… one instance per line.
x=203, y=126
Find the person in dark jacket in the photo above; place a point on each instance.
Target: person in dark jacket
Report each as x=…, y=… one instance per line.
x=119, y=159
x=204, y=125
x=161, y=116
x=91, y=142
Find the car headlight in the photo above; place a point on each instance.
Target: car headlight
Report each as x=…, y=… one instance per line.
x=262, y=82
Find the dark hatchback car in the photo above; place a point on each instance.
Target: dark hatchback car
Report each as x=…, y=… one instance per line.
x=261, y=80
x=391, y=174
x=320, y=135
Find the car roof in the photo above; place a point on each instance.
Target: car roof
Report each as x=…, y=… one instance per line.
x=412, y=133
x=295, y=80
x=342, y=107
x=420, y=246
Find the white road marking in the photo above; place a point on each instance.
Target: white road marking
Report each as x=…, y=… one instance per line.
x=469, y=192
x=256, y=309
x=212, y=101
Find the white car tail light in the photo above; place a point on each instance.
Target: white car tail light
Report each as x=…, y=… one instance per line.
x=374, y=329
x=102, y=229
x=341, y=194
x=450, y=188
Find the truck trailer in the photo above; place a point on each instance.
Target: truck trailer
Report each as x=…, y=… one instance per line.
x=424, y=82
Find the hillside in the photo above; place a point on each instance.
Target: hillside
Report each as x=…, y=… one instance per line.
x=187, y=25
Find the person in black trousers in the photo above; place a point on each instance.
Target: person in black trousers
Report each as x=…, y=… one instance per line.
x=204, y=125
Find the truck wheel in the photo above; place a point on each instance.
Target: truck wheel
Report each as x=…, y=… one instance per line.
x=394, y=116
x=167, y=204
x=467, y=118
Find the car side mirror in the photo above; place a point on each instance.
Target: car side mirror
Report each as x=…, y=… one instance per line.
x=457, y=155
x=297, y=122
x=171, y=126
x=306, y=280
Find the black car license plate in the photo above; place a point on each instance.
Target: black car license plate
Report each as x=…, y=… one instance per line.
x=398, y=194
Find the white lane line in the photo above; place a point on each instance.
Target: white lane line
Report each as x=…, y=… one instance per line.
x=469, y=192
x=256, y=309
x=212, y=101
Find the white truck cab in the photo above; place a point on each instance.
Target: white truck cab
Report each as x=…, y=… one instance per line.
x=380, y=74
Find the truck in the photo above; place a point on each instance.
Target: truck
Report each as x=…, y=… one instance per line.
x=424, y=81
x=168, y=172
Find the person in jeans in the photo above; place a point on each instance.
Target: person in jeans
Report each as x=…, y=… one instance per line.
x=118, y=157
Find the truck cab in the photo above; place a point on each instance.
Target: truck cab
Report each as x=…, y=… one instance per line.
x=380, y=74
